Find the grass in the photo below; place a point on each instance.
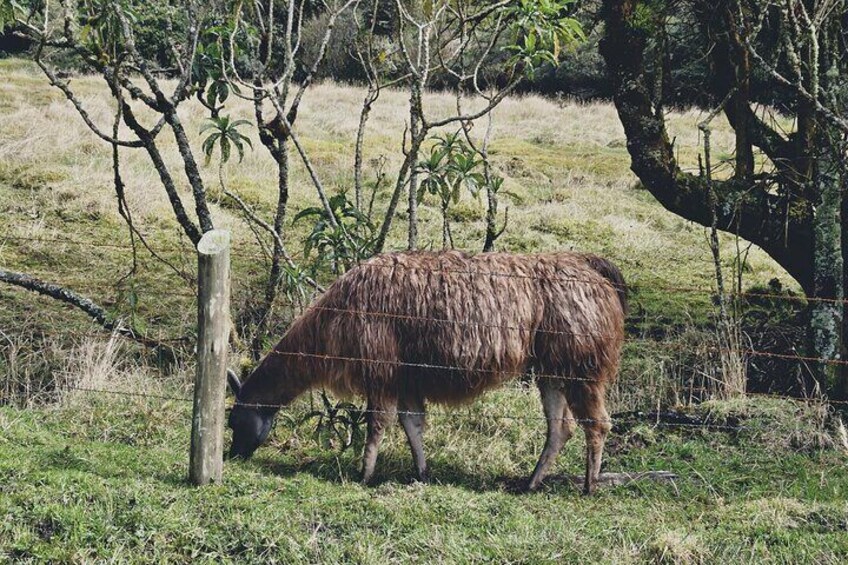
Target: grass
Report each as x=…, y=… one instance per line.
x=105, y=479
x=95, y=477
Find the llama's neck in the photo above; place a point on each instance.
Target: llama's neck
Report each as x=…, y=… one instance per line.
x=286, y=372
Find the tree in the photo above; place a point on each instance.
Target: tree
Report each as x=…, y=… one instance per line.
x=99, y=37
x=791, y=206
x=458, y=40
x=260, y=53
x=202, y=46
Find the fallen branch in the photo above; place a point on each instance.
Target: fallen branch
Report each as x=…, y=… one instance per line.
x=619, y=479
x=92, y=309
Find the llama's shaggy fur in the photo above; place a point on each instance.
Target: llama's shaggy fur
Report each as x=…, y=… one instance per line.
x=405, y=328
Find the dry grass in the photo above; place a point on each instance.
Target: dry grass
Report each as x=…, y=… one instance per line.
x=675, y=546
x=566, y=162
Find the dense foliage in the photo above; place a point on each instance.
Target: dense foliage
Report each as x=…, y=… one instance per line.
x=579, y=72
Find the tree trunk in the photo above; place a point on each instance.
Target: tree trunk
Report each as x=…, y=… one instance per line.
x=843, y=369
x=794, y=212
x=827, y=315
x=756, y=213
x=358, y=150
x=491, y=219
x=86, y=305
x=165, y=177
x=191, y=170
x=281, y=155
x=405, y=169
x=414, y=132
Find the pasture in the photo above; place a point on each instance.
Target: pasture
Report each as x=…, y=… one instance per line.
x=90, y=476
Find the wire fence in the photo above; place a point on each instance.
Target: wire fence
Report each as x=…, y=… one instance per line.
x=669, y=419
x=654, y=418
x=456, y=413
x=503, y=325
x=633, y=340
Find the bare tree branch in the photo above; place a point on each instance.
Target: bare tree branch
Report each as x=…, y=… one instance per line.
x=254, y=217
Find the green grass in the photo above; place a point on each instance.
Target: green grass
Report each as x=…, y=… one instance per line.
x=105, y=480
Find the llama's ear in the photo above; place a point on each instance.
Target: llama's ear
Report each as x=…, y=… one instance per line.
x=233, y=380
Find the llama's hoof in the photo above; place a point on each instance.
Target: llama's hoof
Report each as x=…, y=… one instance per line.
x=531, y=486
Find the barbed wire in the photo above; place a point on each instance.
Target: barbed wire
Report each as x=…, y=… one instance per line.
x=531, y=330
x=86, y=285
x=632, y=340
x=468, y=323
x=106, y=334
x=471, y=272
x=514, y=373
x=654, y=418
x=126, y=393
x=676, y=388
x=61, y=240
x=125, y=247
x=651, y=389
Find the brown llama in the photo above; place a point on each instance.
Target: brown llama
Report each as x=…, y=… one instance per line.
x=402, y=329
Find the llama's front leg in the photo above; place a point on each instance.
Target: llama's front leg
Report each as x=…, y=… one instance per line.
x=560, y=429
x=413, y=419
x=379, y=416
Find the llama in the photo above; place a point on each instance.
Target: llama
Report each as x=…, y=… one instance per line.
x=404, y=329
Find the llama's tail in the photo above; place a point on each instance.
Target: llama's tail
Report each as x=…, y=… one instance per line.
x=609, y=271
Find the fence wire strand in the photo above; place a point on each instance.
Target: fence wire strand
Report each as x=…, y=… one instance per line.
x=467, y=323
x=454, y=414
x=653, y=343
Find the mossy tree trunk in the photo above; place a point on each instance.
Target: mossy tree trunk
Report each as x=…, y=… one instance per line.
x=827, y=315
x=415, y=110
x=793, y=213
x=756, y=212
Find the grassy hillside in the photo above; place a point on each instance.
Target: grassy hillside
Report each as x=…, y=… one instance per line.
x=566, y=163
x=86, y=476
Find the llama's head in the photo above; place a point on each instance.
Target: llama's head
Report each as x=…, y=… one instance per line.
x=250, y=424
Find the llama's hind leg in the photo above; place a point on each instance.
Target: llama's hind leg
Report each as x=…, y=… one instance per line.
x=379, y=416
x=412, y=417
x=560, y=429
x=588, y=403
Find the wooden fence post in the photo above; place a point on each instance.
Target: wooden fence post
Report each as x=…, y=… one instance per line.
x=206, y=459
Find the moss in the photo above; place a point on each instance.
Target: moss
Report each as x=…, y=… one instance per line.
x=529, y=160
